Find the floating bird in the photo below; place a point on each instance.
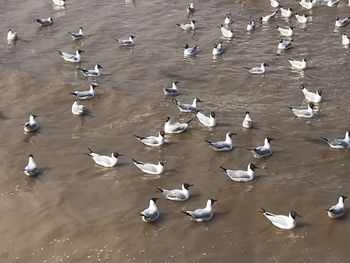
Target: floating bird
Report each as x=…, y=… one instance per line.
x=175, y=127
x=310, y=96
x=308, y=4
x=104, y=160
x=288, y=32
x=228, y=19
x=190, y=9
x=226, y=32
x=31, y=125
x=188, y=27
x=77, y=36
x=251, y=25
x=286, y=12
x=258, y=70
x=70, y=57
x=177, y=194
x=338, y=210
x=301, y=18
x=190, y=51
x=281, y=221
x=150, y=168
x=268, y=17
x=247, y=122
x=202, y=214
x=218, y=49
x=44, y=21
x=151, y=213
x=240, y=175
x=86, y=94
x=173, y=91
x=223, y=146
x=59, y=2
x=153, y=141
x=263, y=151
x=208, y=121
x=304, y=113
x=11, y=36
x=78, y=109
x=338, y=143
x=345, y=40
x=31, y=169
x=301, y=65
x=96, y=72
x=275, y=3
x=342, y=22
x=285, y=44
x=189, y=108
x=333, y=3
x=126, y=42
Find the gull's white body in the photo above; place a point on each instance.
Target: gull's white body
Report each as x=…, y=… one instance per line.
x=78, y=109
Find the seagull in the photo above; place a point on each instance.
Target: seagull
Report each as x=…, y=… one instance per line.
x=188, y=27
x=126, y=42
x=175, y=127
x=177, y=194
x=275, y=3
x=226, y=32
x=338, y=210
x=264, y=150
x=78, y=109
x=333, y=3
x=240, y=175
x=59, y=2
x=288, y=32
x=301, y=18
x=44, y=21
x=281, y=221
x=104, y=160
x=31, y=169
x=86, y=94
x=31, y=125
x=70, y=57
x=218, y=49
x=151, y=213
x=190, y=51
x=286, y=12
x=310, y=96
x=189, y=108
x=258, y=70
x=152, y=141
x=345, y=40
x=308, y=4
x=341, y=22
x=150, y=168
x=11, y=36
x=190, y=8
x=251, y=25
x=208, y=121
x=298, y=64
x=247, y=122
x=96, y=72
x=304, y=113
x=285, y=44
x=338, y=143
x=202, y=214
x=173, y=91
x=228, y=19
x=223, y=146
x=268, y=17
x=77, y=36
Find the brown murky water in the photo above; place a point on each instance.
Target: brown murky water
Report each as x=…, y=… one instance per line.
x=76, y=211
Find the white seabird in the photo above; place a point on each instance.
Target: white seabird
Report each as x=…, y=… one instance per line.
x=188, y=27
x=175, y=127
x=77, y=36
x=338, y=143
x=150, y=168
x=310, y=96
x=263, y=151
x=153, y=141
x=190, y=51
x=189, y=108
x=304, y=113
x=281, y=221
x=78, y=109
x=298, y=64
x=126, y=42
x=85, y=94
x=338, y=210
x=241, y=175
x=177, y=194
x=228, y=33
x=44, y=21
x=151, y=213
x=202, y=214
x=218, y=49
x=31, y=125
x=257, y=70
x=104, y=160
x=11, y=36
x=223, y=146
x=31, y=169
x=71, y=57
x=96, y=72
x=247, y=122
x=173, y=91
x=209, y=121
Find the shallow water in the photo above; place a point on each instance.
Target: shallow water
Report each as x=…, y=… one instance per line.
x=76, y=211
